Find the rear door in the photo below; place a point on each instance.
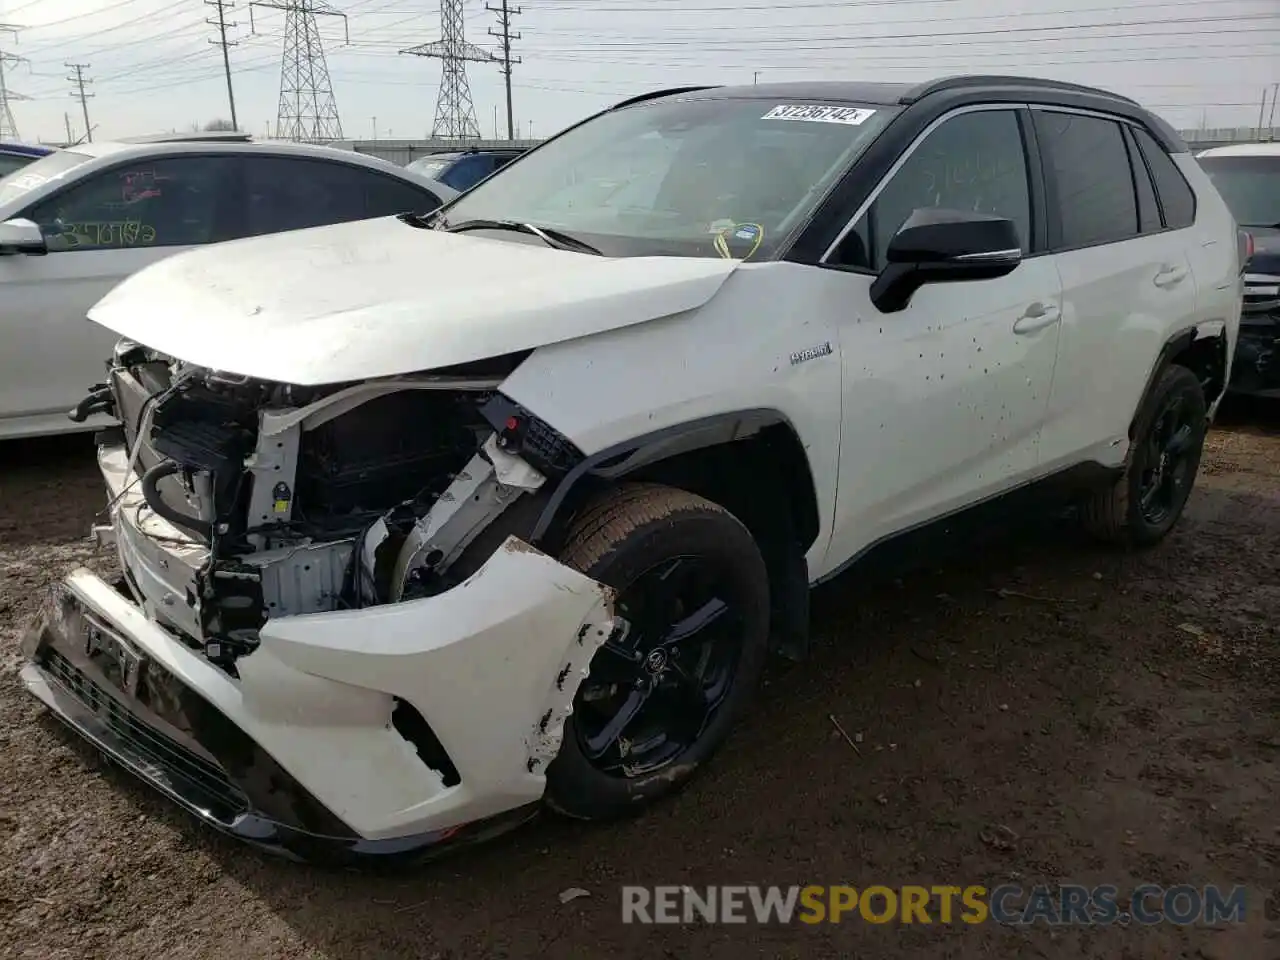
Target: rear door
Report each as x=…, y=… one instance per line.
x=99, y=230
x=1127, y=282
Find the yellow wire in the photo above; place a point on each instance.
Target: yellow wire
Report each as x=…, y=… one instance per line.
x=722, y=245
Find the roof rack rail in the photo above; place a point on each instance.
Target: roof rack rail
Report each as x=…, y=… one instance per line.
x=205, y=136
x=655, y=94
x=998, y=80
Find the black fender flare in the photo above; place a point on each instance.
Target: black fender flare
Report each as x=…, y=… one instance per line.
x=639, y=451
x=1175, y=345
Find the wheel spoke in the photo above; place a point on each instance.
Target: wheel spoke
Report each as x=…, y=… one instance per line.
x=1179, y=443
x=661, y=598
x=692, y=626
x=1149, y=497
x=598, y=745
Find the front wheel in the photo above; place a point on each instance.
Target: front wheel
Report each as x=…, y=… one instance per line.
x=1145, y=503
x=661, y=698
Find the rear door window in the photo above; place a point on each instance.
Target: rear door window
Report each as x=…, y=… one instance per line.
x=1177, y=200
x=287, y=193
x=1096, y=201
x=1148, y=207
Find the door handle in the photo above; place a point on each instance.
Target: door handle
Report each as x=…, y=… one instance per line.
x=1037, y=317
x=1170, y=276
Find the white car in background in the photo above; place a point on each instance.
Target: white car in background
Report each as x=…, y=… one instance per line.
x=77, y=222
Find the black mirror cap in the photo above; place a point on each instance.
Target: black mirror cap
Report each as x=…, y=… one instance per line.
x=937, y=236
x=944, y=246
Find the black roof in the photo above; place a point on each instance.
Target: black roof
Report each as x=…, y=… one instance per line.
x=904, y=94
x=880, y=94
x=884, y=94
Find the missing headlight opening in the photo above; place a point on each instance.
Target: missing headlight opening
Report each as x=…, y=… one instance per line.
x=285, y=500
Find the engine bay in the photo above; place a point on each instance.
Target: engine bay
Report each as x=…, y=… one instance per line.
x=314, y=499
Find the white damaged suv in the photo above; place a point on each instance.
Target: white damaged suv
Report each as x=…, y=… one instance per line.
x=426, y=520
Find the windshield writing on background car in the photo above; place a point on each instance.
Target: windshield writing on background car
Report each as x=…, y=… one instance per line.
x=1249, y=185
x=40, y=172
x=687, y=177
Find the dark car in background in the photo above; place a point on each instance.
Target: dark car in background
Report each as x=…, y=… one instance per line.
x=465, y=169
x=15, y=156
x=1248, y=177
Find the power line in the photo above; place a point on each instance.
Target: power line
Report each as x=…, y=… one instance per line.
x=225, y=44
x=455, y=110
x=820, y=42
x=79, y=93
x=505, y=13
x=308, y=110
x=668, y=29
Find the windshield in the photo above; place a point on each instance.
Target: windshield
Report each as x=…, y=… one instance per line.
x=1249, y=185
x=10, y=162
x=686, y=178
x=35, y=174
x=430, y=166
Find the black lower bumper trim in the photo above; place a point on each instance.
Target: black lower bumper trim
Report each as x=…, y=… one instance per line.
x=111, y=735
x=237, y=789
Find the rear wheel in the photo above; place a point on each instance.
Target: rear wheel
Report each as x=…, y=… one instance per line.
x=1145, y=503
x=660, y=698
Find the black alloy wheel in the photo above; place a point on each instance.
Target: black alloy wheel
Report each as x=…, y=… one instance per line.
x=652, y=691
x=662, y=694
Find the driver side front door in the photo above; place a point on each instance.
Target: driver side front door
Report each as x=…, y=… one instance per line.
x=943, y=401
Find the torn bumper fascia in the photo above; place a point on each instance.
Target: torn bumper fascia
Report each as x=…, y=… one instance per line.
x=492, y=665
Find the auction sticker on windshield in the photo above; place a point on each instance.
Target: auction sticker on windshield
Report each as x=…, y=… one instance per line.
x=818, y=113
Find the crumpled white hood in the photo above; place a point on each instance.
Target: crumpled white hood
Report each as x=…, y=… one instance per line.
x=379, y=298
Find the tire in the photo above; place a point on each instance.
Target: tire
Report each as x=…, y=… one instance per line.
x=1117, y=515
x=630, y=539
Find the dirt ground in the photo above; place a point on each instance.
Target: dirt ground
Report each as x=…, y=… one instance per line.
x=1108, y=718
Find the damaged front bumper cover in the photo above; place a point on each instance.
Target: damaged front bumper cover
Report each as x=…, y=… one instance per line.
x=385, y=731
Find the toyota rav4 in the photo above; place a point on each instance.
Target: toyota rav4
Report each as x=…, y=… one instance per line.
x=426, y=521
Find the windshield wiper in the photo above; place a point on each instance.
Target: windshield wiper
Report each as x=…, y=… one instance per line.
x=548, y=235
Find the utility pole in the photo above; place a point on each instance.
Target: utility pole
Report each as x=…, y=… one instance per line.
x=504, y=34
x=1262, y=109
x=9, y=126
x=79, y=93
x=66, y=118
x=221, y=24
x=1271, y=118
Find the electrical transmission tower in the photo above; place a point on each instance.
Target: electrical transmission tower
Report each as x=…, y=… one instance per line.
x=8, y=126
x=80, y=95
x=455, y=111
x=505, y=13
x=307, y=111
x=222, y=41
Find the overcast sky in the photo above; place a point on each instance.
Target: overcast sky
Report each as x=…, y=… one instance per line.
x=154, y=69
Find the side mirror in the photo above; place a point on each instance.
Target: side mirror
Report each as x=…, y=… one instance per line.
x=943, y=246
x=21, y=236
